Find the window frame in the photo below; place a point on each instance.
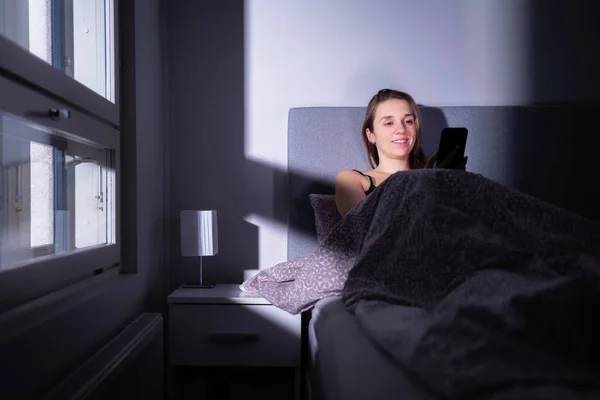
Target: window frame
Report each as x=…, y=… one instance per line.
x=20, y=64
x=34, y=87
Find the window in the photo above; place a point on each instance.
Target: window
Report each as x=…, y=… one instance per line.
x=59, y=194
x=74, y=36
x=59, y=145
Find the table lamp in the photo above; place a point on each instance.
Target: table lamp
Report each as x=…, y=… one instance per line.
x=199, y=238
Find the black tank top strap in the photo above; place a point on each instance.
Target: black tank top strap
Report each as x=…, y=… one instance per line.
x=372, y=186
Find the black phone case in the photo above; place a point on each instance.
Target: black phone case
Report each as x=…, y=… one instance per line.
x=449, y=139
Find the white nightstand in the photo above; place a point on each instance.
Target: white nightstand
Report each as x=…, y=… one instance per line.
x=225, y=327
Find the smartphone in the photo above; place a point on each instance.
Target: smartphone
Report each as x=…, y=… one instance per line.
x=450, y=139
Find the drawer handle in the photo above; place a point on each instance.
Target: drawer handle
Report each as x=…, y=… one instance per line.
x=225, y=338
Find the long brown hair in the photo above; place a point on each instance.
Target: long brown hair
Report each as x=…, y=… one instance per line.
x=416, y=158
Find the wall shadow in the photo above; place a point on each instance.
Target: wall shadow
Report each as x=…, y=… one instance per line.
x=206, y=136
x=555, y=150
x=554, y=157
x=564, y=42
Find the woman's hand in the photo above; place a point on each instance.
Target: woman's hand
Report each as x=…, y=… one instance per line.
x=452, y=161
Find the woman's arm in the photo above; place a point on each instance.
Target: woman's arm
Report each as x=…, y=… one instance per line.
x=349, y=191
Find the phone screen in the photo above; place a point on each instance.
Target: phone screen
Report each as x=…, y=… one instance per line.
x=449, y=140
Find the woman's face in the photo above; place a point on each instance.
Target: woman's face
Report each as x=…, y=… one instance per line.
x=394, y=129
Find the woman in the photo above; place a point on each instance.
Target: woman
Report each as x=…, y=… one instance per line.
x=392, y=137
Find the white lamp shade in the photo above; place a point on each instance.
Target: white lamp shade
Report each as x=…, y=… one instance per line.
x=199, y=235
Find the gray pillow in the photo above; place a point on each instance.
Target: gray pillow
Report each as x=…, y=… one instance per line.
x=326, y=214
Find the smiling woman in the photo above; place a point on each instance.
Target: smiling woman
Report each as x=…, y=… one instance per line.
x=391, y=133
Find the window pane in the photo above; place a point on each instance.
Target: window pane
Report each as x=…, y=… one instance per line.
x=58, y=193
x=91, y=184
x=42, y=194
x=75, y=36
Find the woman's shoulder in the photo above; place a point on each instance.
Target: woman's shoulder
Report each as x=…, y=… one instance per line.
x=354, y=178
x=354, y=173
x=351, y=175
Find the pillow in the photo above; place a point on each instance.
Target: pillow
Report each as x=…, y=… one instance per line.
x=296, y=285
x=326, y=214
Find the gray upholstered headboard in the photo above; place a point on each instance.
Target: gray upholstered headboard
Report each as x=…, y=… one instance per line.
x=540, y=150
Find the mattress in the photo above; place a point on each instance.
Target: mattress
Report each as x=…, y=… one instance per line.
x=346, y=365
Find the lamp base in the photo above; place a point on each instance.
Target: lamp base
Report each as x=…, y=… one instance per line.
x=203, y=286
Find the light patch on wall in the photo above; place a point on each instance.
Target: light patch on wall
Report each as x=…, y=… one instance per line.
x=269, y=232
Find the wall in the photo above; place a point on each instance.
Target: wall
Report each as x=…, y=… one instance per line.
x=44, y=355
x=206, y=133
x=230, y=154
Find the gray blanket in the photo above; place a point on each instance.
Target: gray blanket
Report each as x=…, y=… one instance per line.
x=478, y=290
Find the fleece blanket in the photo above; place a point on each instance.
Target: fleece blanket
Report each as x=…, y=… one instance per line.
x=477, y=290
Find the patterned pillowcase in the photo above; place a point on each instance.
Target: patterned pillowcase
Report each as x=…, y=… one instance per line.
x=296, y=285
x=326, y=214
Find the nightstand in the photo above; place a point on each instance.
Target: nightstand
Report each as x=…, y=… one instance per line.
x=237, y=338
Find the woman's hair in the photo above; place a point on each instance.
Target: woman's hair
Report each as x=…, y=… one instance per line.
x=417, y=158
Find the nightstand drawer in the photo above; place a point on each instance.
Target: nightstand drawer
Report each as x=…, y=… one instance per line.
x=233, y=335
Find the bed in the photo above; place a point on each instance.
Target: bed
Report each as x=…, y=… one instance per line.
x=346, y=356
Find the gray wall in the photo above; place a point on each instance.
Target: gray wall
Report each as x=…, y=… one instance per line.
x=38, y=359
x=206, y=134
x=236, y=68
